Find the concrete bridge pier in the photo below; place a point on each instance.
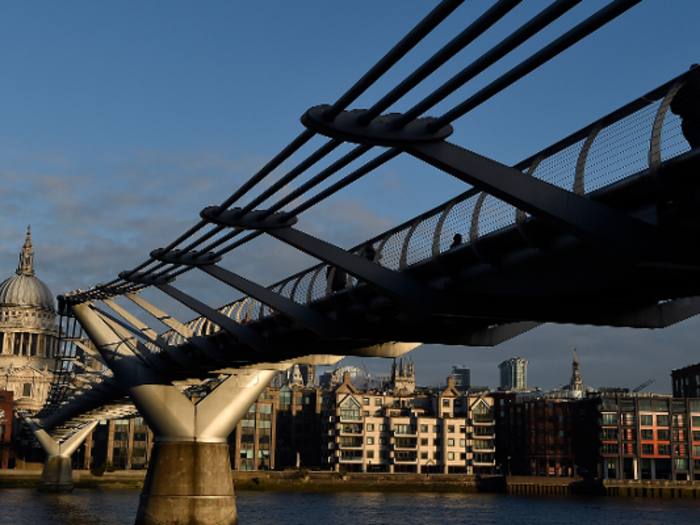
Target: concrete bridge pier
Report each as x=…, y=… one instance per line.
x=57, y=475
x=189, y=475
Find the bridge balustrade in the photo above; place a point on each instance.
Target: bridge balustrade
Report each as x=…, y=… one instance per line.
x=605, y=153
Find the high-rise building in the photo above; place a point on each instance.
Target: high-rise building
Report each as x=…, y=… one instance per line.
x=513, y=374
x=462, y=376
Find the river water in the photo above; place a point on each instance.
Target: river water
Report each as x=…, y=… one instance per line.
x=115, y=507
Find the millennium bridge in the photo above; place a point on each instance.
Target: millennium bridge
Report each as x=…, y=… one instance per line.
x=597, y=229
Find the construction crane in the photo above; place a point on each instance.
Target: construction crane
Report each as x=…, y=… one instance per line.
x=644, y=385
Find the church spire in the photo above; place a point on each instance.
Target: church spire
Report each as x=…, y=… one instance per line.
x=576, y=382
x=26, y=256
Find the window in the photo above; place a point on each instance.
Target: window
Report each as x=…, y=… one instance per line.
x=424, y=428
x=365, y=401
x=446, y=403
x=462, y=442
x=696, y=435
x=424, y=441
x=266, y=409
x=450, y=428
x=424, y=455
x=404, y=429
x=370, y=427
x=382, y=428
x=377, y=401
x=647, y=434
x=382, y=441
x=608, y=433
x=695, y=421
x=370, y=441
x=450, y=455
x=664, y=450
x=662, y=435
x=648, y=449
x=662, y=420
x=437, y=456
x=647, y=420
x=370, y=454
x=350, y=409
x=610, y=448
x=436, y=442
x=450, y=442
x=696, y=450
x=366, y=413
x=436, y=429
x=27, y=390
x=609, y=419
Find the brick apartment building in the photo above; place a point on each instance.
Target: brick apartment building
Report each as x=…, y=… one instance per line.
x=6, y=407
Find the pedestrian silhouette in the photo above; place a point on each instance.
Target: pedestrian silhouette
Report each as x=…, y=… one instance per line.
x=456, y=240
x=337, y=277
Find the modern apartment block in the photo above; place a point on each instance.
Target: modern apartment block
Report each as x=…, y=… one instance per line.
x=545, y=435
x=401, y=431
x=649, y=437
x=686, y=381
x=282, y=429
x=513, y=374
x=123, y=444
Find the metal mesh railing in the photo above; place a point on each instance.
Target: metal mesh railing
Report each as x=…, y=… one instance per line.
x=613, y=152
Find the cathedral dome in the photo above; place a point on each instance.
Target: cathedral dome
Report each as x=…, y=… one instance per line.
x=24, y=288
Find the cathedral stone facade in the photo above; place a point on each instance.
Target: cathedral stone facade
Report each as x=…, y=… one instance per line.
x=28, y=334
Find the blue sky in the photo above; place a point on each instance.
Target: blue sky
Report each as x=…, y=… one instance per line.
x=120, y=121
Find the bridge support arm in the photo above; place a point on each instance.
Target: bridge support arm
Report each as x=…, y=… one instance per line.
x=57, y=475
x=189, y=475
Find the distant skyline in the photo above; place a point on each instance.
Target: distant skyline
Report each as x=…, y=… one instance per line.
x=120, y=121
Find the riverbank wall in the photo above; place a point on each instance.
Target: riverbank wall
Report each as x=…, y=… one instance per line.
x=312, y=481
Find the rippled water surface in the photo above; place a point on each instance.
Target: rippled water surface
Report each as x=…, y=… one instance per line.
x=91, y=507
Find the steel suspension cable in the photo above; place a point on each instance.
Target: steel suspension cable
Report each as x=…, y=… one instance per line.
x=466, y=37
x=424, y=27
x=585, y=28
x=508, y=44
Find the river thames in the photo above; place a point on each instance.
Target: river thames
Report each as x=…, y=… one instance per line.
x=118, y=507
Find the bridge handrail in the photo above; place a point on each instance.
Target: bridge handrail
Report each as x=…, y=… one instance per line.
x=408, y=243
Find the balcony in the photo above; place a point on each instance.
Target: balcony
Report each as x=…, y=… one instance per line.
x=405, y=443
x=490, y=435
x=482, y=421
x=405, y=457
x=350, y=428
x=352, y=456
x=350, y=442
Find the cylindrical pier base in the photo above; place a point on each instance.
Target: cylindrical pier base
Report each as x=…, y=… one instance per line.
x=188, y=483
x=57, y=475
